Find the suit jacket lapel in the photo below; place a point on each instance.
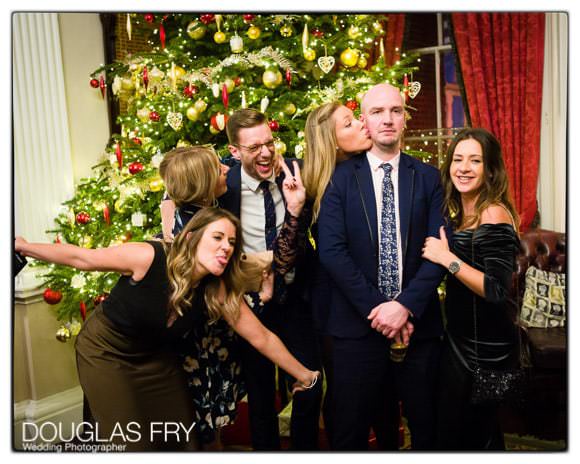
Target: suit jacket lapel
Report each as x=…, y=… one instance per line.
x=365, y=185
x=406, y=191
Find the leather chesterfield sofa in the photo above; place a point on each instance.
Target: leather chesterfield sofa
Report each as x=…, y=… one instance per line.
x=544, y=413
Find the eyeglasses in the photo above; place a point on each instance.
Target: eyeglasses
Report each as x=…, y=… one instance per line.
x=257, y=148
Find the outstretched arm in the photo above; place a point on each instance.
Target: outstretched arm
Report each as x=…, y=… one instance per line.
x=167, y=218
x=266, y=342
x=128, y=259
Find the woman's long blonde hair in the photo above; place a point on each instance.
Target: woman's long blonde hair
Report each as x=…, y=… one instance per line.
x=181, y=262
x=320, y=153
x=190, y=175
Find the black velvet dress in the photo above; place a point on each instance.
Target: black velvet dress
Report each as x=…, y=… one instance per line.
x=491, y=249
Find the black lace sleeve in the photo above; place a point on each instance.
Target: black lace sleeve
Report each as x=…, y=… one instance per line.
x=497, y=246
x=290, y=242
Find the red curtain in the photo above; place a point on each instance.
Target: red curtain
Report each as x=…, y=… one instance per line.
x=394, y=37
x=502, y=59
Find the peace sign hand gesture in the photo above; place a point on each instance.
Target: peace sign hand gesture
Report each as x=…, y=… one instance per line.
x=293, y=188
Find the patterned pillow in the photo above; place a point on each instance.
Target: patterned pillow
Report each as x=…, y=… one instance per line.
x=544, y=302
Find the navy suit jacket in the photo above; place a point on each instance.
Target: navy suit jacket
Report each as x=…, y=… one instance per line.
x=348, y=246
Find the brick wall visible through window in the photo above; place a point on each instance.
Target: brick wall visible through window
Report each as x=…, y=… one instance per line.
x=124, y=46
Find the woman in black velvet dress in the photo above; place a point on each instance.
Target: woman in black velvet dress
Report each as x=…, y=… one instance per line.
x=480, y=260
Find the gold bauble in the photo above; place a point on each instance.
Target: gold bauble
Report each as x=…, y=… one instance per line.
x=143, y=114
x=354, y=32
x=378, y=28
x=230, y=84
x=254, y=32
x=119, y=206
x=290, y=109
x=62, y=334
x=75, y=328
x=200, y=105
x=127, y=83
x=213, y=130
x=286, y=30
x=362, y=62
x=183, y=143
x=156, y=184
x=219, y=37
x=179, y=72
x=280, y=147
x=309, y=54
x=192, y=114
x=86, y=241
x=272, y=78
x=349, y=57
x=196, y=30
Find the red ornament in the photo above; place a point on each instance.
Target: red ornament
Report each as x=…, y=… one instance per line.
x=57, y=239
x=149, y=17
x=135, y=167
x=317, y=33
x=406, y=88
x=99, y=299
x=119, y=155
x=83, y=217
x=145, y=77
x=273, y=125
x=154, y=116
x=94, y=83
x=136, y=140
x=218, y=121
x=83, y=309
x=351, y=104
x=162, y=35
x=207, y=18
x=102, y=85
x=107, y=215
x=225, y=98
x=52, y=297
x=237, y=81
x=288, y=76
x=249, y=17
x=190, y=90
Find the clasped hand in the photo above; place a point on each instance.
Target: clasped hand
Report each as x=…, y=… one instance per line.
x=391, y=320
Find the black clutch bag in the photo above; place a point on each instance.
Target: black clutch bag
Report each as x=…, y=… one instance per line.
x=18, y=263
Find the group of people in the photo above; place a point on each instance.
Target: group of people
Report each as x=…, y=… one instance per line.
x=314, y=268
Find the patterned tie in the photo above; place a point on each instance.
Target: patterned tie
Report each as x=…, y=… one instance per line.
x=270, y=215
x=388, y=256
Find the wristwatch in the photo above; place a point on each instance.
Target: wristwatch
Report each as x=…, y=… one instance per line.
x=454, y=267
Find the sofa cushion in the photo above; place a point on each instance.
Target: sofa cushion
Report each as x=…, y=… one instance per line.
x=544, y=302
x=547, y=347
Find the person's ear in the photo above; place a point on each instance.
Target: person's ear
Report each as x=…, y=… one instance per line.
x=235, y=151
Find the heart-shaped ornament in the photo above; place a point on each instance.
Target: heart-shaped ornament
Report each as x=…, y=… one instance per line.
x=414, y=89
x=175, y=120
x=326, y=63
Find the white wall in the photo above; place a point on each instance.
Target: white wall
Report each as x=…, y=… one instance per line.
x=81, y=40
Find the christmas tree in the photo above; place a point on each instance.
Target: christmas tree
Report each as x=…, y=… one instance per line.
x=200, y=69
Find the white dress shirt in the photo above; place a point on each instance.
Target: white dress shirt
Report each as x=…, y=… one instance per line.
x=252, y=212
x=378, y=174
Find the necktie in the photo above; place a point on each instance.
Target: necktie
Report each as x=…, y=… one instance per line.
x=388, y=256
x=269, y=214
